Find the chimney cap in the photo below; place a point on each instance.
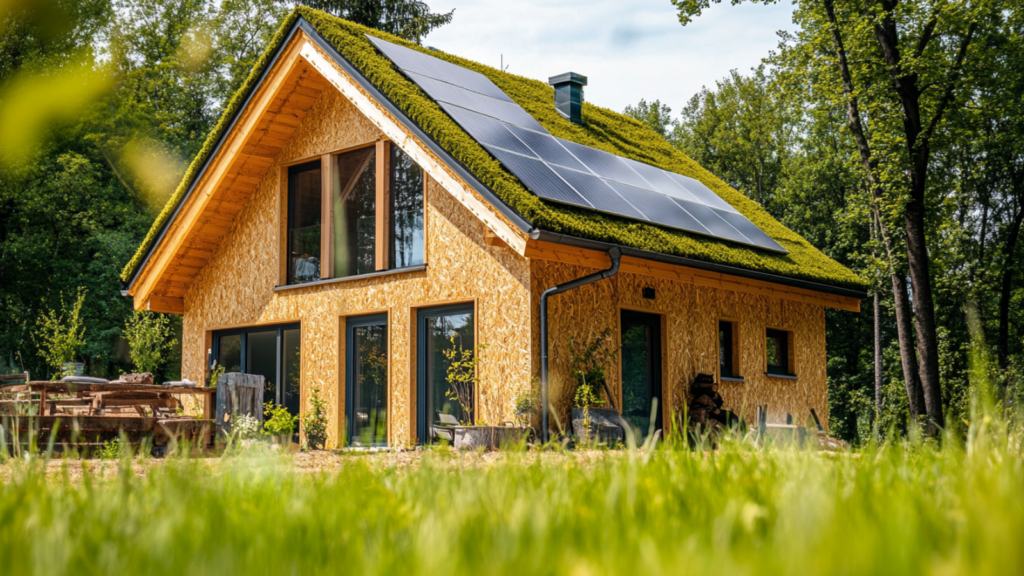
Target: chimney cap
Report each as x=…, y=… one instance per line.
x=568, y=77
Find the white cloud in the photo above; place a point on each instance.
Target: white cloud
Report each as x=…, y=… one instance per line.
x=628, y=50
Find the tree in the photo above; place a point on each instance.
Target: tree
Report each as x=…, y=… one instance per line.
x=908, y=62
x=656, y=116
x=409, y=19
x=740, y=132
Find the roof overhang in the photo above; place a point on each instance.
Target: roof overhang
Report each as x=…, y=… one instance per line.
x=546, y=245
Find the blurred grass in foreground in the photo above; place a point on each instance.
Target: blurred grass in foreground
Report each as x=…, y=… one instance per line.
x=898, y=509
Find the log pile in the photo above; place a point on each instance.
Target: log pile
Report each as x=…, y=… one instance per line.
x=705, y=409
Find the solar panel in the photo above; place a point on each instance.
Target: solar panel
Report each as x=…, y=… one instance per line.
x=450, y=94
x=539, y=177
x=712, y=221
x=410, y=60
x=566, y=172
x=545, y=146
x=747, y=228
x=604, y=164
x=487, y=130
x=597, y=191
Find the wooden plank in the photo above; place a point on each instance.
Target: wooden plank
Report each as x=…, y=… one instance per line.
x=383, y=202
x=157, y=303
x=326, y=216
x=597, y=259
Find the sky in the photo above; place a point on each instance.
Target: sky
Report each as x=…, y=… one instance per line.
x=628, y=49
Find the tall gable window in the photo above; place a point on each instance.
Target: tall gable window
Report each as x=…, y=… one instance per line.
x=304, y=216
x=406, y=245
x=369, y=220
x=355, y=214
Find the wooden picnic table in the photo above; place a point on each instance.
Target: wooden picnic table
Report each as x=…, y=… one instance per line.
x=96, y=398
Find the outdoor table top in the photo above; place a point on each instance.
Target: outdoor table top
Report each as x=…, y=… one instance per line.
x=71, y=387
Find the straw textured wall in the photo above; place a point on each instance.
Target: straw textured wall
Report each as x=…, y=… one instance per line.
x=689, y=329
x=236, y=289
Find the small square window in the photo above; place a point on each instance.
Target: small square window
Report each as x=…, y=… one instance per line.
x=778, y=350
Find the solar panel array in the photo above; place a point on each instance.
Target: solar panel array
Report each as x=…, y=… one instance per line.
x=567, y=172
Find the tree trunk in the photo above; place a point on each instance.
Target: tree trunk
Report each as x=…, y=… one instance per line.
x=917, y=138
x=899, y=284
x=1003, y=344
x=877, y=305
x=924, y=315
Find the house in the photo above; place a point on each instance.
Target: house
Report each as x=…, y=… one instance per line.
x=359, y=212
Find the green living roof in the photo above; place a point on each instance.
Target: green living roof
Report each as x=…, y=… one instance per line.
x=602, y=128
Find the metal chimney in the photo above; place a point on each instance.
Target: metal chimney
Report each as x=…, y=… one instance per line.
x=569, y=95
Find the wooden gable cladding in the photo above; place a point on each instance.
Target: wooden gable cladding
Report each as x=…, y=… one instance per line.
x=273, y=114
x=539, y=250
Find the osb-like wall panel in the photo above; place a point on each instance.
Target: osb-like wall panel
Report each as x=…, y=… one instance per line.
x=236, y=289
x=690, y=316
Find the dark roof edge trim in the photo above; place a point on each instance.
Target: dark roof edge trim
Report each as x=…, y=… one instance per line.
x=422, y=136
x=305, y=26
x=556, y=238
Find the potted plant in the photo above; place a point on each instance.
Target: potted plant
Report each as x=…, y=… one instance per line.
x=462, y=378
x=59, y=337
x=280, y=425
x=588, y=370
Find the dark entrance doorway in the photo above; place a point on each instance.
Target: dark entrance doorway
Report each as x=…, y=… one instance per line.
x=273, y=352
x=366, y=380
x=641, y=370
x=441, y=330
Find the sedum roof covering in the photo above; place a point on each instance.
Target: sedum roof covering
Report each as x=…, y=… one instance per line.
x=602, y=128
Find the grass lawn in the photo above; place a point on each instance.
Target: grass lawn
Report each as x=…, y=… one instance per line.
x=897, y=509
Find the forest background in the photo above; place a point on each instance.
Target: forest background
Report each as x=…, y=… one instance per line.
x=886, y=132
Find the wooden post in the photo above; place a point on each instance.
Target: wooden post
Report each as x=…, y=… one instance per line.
x=383, y=203
x=326, y=216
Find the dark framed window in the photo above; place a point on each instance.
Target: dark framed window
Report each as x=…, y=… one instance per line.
x=439, y=330
x=354, y=213
x=406, y=239
x=727, y=336
x=274, y=352
x=777, y=350
x=366, y=380
x=354, y=218
x=304, y=218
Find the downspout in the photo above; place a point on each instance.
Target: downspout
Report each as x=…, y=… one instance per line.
x=614, y=254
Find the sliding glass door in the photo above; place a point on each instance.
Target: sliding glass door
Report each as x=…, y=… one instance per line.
x=273, y=352
x=366, y=379
x=442, y=331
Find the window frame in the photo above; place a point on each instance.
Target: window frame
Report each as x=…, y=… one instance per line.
x=351, y=323
x=383, y=217
x=243, y=333
x=788, y=340
x=735, y=369
x=422, y=400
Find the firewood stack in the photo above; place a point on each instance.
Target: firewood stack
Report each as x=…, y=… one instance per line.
x=706, y=405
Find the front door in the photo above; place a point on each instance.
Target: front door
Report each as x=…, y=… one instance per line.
x=366, y=380
x=444, y=333
x=269, y=351
x=641, y=371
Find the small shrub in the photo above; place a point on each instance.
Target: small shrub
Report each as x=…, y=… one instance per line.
x=525, y=407
x=314, y=423
x=215, y=374
x=244, y=427
x=61, y=334
x=462, y=377
x=279, y=422
x=150, y=340
x=113, y=450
